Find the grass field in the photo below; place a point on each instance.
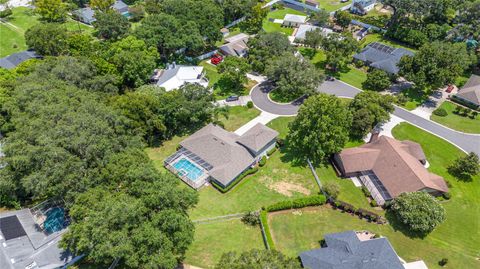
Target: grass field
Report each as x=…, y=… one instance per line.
x=214, y=239
x=331, y=5
x=455, y=239
x=457, y=122
x=238, y=116
x=13, y=30
x=270, y=26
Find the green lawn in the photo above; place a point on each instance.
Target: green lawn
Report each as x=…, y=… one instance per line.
x=331, y=5
x=239, y=116
x=12, y=31
x=214, y=239
x=457, y=122
x=350, y=75
x=269, y=26
x=455, y=239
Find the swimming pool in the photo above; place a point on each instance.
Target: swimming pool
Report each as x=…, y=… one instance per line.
x=55, y=220
x=186, y=168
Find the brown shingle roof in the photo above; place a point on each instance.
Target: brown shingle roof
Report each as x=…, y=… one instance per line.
x=395, y=163
x=257, y=137
x=471, y=90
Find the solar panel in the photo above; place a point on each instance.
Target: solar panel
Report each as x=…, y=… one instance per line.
x=382, y=47
x=11, y=228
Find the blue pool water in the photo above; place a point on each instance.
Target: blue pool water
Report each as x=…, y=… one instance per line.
x=55, y=220
x=188, y=169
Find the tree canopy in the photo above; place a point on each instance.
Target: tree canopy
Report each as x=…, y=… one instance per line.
x=111, y=25
x=293, y=76
x=266, y=46
x=436, y=64
x=465, y=167
x=418, y=211
x=233, y=72
x=377, y=80
x=51, y=10
x=320, y=129
x=48, y=39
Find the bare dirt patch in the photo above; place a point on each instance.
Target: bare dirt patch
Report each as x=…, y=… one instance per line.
x=287, y=188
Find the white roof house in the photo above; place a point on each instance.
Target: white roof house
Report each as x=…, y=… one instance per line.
x=294, y=20
x=177, y=75
x=304, y=28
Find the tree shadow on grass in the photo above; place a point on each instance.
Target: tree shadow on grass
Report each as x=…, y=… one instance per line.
x=397, y=225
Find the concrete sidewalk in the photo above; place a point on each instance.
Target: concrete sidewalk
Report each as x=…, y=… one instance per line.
x=263, y=118
x=242, y=101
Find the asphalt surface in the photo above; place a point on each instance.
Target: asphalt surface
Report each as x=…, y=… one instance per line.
x=467, y=142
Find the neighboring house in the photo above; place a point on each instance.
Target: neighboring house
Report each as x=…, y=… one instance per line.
x=214, y=154
x=382, y=57
x=291, y=20
x=388, y=167
x=87, y=14
x=235, y=46
x=301, y=32
x=30, y=239
x=177, y=75
x=470, y=92
x=312, y=3
x=225, y=32
x=361, y=7
x=355, y=251
x=13, y=60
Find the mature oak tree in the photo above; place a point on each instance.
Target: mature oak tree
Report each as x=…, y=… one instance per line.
x=111, y=25
x=377, y=80
x=266, y=46
x=320, y=129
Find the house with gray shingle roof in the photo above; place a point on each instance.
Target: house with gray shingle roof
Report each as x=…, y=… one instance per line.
x=382, y=57
x=87, y=14
x=470, y=92
x=348, y=250
x=13, y=60
x=214, y=154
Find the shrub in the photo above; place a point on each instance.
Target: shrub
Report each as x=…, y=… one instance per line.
x=249, y=104
x=5, y=13
x=262, y=161
x=236, y=181
x=280, y=142
x=440, y=112
x=251, y=218
x=376, y=236
x=270, y=152
x=443, y=262
x=298, y=203
x=418, y=211
x=474, y=114
x=366, y=191
x=332, y=189
x=373, y=203
x=447, y=195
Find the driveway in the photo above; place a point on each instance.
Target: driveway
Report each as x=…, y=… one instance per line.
x=466, y=142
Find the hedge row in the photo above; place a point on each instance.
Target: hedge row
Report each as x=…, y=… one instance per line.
x=266, y=229
x=297, y=203
x=363, y=213
x=236, y=181
x=270, y=152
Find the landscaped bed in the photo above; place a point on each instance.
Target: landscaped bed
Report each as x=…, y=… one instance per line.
x=213, y=239
x=455, y=121
x=455, y=239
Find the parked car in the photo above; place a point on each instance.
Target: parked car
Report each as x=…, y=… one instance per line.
x=449, y=89
x=216, y=59
x=232, y=98
x=330, y=78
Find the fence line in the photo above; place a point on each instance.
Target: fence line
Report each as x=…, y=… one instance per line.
x=235, y=22
x=264, y=235
x=319, y=183
x=224, y=217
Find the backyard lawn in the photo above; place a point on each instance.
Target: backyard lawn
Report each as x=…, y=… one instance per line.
x=457, y=122
x=214, y=239
x=12, y=31
x=380, y=38
x=455, y=239
x=331, y=5
x=270, y=26
x=239, y=116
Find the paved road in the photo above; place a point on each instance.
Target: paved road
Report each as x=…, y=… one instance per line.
x=467, y=142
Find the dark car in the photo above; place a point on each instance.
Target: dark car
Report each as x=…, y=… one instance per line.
x=330, y=78
x=232, y=98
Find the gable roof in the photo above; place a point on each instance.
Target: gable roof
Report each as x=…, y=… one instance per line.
x=382, y=56
x=120, y=6
x=471, y=90
x=86, y=15
x=304, y=28
x=13, y=60
x=224, y=151
x=257, y=137
x=345, y=251
x=396, y=164
x=295, y=18
x=236, y=46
